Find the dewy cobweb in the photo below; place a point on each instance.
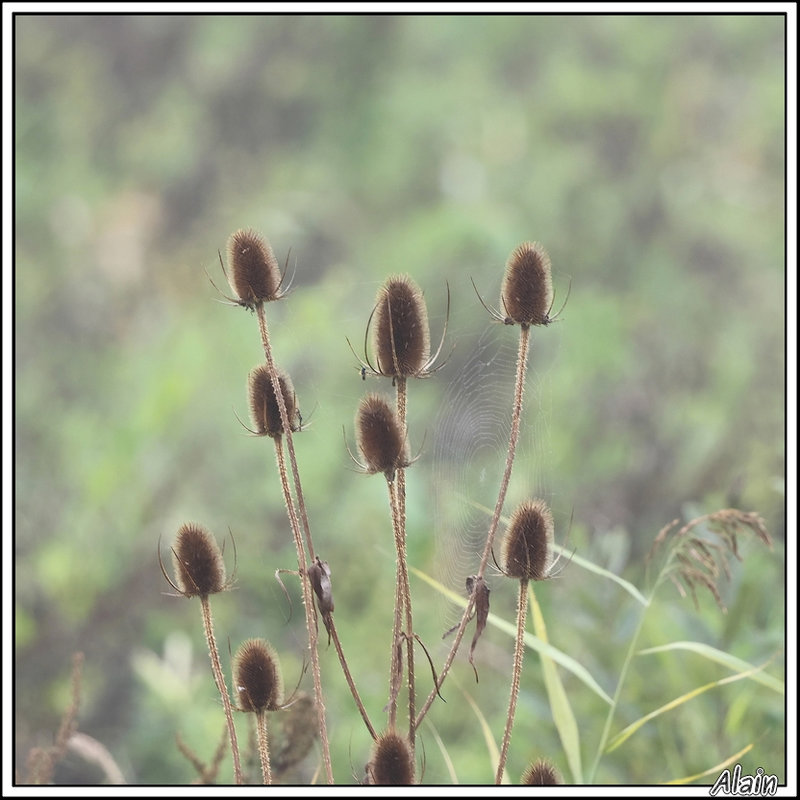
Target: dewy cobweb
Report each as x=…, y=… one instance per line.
x=470, y=446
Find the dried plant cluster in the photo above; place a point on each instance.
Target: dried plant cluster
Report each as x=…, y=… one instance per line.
x=397, y=347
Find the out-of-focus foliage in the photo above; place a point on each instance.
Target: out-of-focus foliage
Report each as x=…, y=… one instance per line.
x=646, y=152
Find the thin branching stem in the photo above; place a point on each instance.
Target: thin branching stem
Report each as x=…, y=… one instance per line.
x=219, y=679
x=516, y=415
x=618, y=691
x=308, y=602
x=349, y=678
x=519, y=653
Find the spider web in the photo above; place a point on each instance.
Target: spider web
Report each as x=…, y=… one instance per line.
x=469, y=452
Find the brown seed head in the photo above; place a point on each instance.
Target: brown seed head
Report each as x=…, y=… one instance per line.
x=254, y=273
x=197, y=560
x=541, y=773
x=392, y=763
x=401, y=333
x=380, y=437
x=527, y=293
x=264, y=403
x=528, y=542
x=257, y=678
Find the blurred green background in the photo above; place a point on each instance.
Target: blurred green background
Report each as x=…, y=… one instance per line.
x=646, y=152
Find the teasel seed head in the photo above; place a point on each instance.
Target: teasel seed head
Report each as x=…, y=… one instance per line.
x=264, y=403
x=257, y=677
x=392, y=762
x=380, y=437
x=526, y=296
x=541, y=773
x=401, y=335
x=528, y=542
x=254, y=273
x=197, y=561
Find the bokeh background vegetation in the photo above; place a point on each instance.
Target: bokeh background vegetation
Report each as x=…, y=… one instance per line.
x=646, y=152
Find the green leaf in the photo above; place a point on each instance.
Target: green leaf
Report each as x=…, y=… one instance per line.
x=721, y=657
x=563, y=717
x=491, y=745
x=711, y=770
x=534, y=642
x=626, y=733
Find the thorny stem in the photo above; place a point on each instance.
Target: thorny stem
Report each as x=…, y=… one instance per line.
x=519, y=652
x=402, y=410
x=308, y=602
x=516, y=415
x=263, y=746
x=402, y=604
x=219, y=679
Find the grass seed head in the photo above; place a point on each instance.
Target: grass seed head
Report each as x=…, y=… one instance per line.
x=526, y=296
x=254, y=276
x=401, y=331
x=264, y=403
x=257, y=677
x=197, y=560
x=527, y=545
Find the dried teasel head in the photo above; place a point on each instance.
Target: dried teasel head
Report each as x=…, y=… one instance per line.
x=401, y=338
x=197, y=561
x=541, y=773
x=257, y=677
x=392, y=761
x=527, y=292
x=401, y=335
x=380, y=437
x=264, y=409
x=254, y=274
x=528, y=543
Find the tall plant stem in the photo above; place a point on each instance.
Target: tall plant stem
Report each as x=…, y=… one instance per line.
x=519, y=653
x=263, y=746
x=516, y=416
x=219, y=679
x=401, y=385
x=402, y=608
x=308, y=601
x=262, y=325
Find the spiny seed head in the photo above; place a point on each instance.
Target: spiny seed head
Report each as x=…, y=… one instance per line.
x=380, y=437
x=401, y=333
x=257, y=680
x=264, y=402
x=392, y=763
x=254, y=276
x=528, y=542
x=526, y=296
x=541, y=773
x=197, y=560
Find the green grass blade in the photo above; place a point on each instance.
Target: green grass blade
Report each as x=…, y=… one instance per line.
x=443, y=750
x=559, y=703
x=626, y=733
x=491, y=745
x=712, y=770
x=581, y=562
x=543, y=648
x=721, y=657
